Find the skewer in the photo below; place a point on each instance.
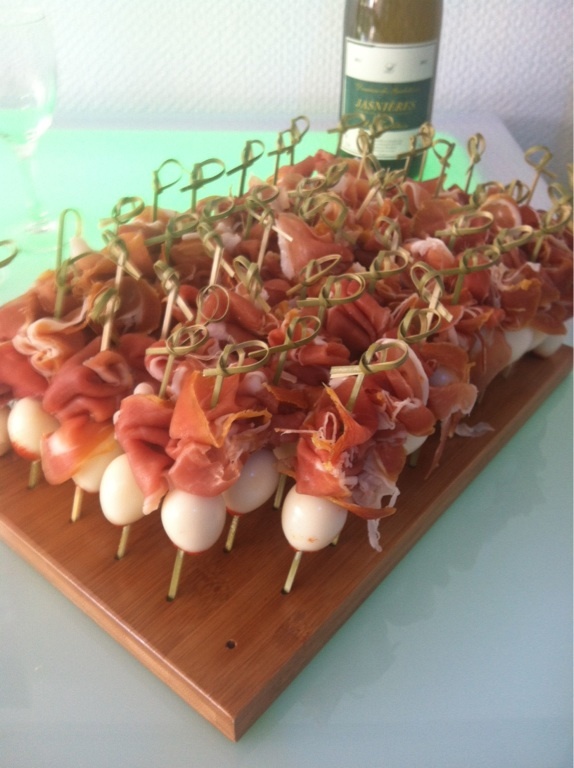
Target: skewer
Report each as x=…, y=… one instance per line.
x=118, y=253
x=476, y=147
x=183, y=340
x=292, y=572
x=175, y=575
x=193, y=524
x=538, y=157
x=77, y=504
x=123, y=545
x=198, y=180
x=248, y=158
x=158, y=188
x=348, y=122
x=257, y=483
x=232, y=532
x=310, y=523
x=35, y=473
x=449, y=147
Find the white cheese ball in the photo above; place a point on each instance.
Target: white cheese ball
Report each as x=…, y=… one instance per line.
x=257, y=483
x=121, y=498
x=310, y=522
x=89, y=475
x=27, y=424
x=193, y=523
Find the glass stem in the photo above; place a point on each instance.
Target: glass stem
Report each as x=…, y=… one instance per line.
x=27, y=165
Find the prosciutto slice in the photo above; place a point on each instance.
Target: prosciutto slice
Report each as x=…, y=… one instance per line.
x=18, y=377
x=76, y=440
x=209, y=444
x=91, y=383
x=49, y=342
x=142, y=429
x=298, y=245
x=342, y=456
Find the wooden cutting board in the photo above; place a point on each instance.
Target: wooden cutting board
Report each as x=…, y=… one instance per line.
x=231, y=641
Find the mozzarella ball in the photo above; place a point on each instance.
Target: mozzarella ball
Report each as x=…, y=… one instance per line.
x=28, y=422
x=310, y=522
x=549, y=345
x=193, y=523
x=520, y=343
x=121, y=498
x=89, y=475
x=257, y=483
x=413, y=443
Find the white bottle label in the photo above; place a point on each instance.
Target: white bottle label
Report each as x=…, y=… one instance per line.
x=393, y=80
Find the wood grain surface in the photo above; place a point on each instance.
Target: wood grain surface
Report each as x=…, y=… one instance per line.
x=231, y=641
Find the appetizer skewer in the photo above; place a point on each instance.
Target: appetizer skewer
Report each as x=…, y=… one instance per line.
x=257, y=484
x=347, y=313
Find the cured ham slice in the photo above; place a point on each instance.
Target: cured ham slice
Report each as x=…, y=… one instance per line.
x=17, y=314
x=345, y=457
x=142, y=429
x=451, y=394
x=304, y=245
x=18, y=377
x=234, y=317
x=74, y=442
x=92, y=382
x=358, y=323
x=209, y=443
x=49, y=342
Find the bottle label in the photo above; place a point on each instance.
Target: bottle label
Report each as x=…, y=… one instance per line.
x=394, y=80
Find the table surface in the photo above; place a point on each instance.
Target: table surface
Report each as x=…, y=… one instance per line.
x=461, y=657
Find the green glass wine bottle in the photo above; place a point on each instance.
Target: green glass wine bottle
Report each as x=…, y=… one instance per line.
x=390, y=56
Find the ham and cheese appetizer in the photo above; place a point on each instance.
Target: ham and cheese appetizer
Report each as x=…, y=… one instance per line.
x=287, y=286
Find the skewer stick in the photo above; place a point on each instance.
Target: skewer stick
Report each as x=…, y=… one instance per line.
x=292, y=572
x=297, y=133
x=265, y=239
x=170, y=283
x=249, y=276
x=375, y=187
x=158, y=187
x=365, y=147
x=119, y=254
x=175, y=575
x=248, y=158
x=123, y=545
x=449, y=147
x=231, y=533
x=281, y=148
x=184, y=339
x=77, y=504
x=426, y=134
x=198, y=180
x=475, y=147
x=280, y=492
x=34, y=474
x=538, y=157
x=351, y=121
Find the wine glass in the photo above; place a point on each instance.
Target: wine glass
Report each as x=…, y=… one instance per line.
x=27, y=96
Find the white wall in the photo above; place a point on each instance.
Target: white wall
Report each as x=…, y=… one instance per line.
x=262, y=62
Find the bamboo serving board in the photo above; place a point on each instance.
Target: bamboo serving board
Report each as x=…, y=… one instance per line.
x=231, y=641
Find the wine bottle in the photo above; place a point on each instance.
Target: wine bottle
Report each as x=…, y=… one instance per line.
x=390, y=57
